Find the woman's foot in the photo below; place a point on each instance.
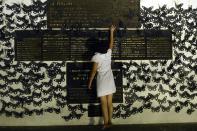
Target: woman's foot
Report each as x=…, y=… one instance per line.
x=106, y=126
x=110, y=124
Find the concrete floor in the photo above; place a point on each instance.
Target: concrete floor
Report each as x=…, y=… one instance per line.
x=138, y=127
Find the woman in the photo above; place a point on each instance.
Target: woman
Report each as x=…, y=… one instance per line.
x=105, y=79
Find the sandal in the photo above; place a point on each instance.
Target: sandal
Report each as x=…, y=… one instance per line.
x=105, y=127
x=110, y=124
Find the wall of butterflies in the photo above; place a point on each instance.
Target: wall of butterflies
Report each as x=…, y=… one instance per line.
x=35, y=87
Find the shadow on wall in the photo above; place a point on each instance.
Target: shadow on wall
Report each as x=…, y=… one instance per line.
x=93, y=122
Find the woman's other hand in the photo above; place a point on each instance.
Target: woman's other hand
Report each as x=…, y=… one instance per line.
x=89, y=85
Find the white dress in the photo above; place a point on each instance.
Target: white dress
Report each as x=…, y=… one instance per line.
x=105, y=79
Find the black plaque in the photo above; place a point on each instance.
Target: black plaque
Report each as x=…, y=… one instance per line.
x=54, y=45
x=94, y=110
x=92, y=13
x=133, y=45
x=77, y=80
x=145, y=44
x=159, y=44
x=28, y=45
x=83, y=43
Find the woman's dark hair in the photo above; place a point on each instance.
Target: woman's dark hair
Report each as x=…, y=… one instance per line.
x=94, y=44
x=101, y=46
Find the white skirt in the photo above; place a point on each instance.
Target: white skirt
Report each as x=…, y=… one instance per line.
x=105, y=83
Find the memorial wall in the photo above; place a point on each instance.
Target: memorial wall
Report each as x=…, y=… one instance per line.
x=45, y=53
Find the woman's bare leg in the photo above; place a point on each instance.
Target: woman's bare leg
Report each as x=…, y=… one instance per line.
x=110, y=107
x=104, y=109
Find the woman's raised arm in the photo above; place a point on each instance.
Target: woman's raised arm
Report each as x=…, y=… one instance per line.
x=112, y=28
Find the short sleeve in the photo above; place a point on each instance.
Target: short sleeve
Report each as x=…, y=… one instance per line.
x=95, y=58
x=109, y=52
